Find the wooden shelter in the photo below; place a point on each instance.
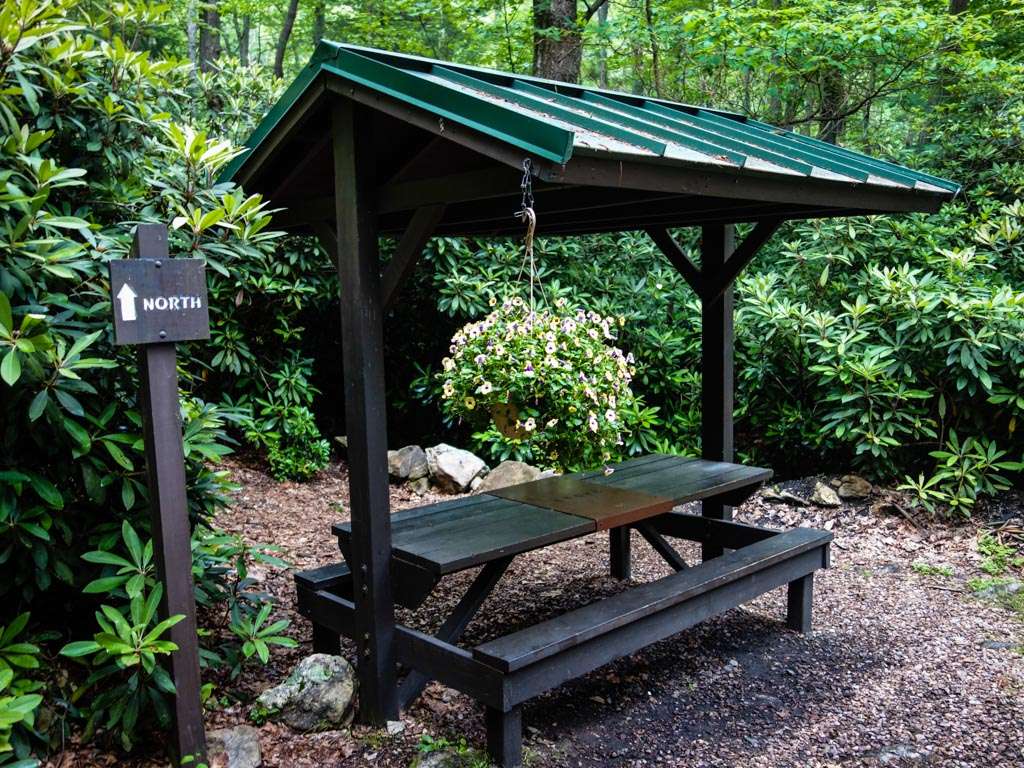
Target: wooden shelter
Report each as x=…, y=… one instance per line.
x=368, y=143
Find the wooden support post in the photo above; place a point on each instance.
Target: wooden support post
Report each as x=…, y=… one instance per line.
x=619, y=551
x=326, y=641
x=168, y=510
x=799, y=597
x=716, y=365
x=505, y=736
x=363, y=357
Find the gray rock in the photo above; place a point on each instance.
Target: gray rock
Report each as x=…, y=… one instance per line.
x=824, y=496
x=1002, y=589
x=408, y=463
x=315, y=697
x=395, y=727
x=854, y=487
x=420, y=486
x=998, y=645
x=788, y=497
x=237, y=747
x=453, y=469
x=508, y=473
x=899, y=754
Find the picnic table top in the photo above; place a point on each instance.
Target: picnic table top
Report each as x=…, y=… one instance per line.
x=451, y=536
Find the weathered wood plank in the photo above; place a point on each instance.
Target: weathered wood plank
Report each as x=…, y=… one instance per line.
x=578, y=660
x=540, y=641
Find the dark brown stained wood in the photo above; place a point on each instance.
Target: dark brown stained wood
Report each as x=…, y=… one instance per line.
x=408, y=251
x=726, y=533
x=607, y=506
x=799, y=600
x=435, y=658
x=741, y=257
x=584, y=170
x=159, y=300
x=453, y=626
x=662, y=547
x=671, y=250
x=504, y=736
x=168, y=510
x=362, y=350
x=479, y=535
x=685, y=479
x=533, y=644
x=717, y=246
x=453, y=535
x=496, y=181
x=317, y=151
x=619, y=553
x=578, y=660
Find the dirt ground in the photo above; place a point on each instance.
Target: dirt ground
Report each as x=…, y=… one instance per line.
x=902, y=669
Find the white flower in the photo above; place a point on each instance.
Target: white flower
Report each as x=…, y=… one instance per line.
x=448, y=389
x=551, y=423
x=551, y=348
x=609, y=415
x=448, y=364
x=485, y=388
x=530, y=424
x=593, y=422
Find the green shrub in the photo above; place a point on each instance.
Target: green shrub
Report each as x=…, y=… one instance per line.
x=20, y=696
x=295, y=449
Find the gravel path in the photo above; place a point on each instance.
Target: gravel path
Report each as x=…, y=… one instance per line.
x=901, y=670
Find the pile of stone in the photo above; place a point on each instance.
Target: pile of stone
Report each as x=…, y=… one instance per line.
x=454, y=470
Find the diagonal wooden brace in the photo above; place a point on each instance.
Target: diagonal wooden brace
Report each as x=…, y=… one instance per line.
x=453, y=627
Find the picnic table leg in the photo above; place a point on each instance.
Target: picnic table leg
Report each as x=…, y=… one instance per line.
x=453, y=627
x=619, y=551
x=505, y=736
x=326, y=641
x=662, y=547
x=799, y=597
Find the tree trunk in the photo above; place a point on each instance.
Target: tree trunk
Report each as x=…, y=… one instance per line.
x=833, y=104
x=209, y=38
x=602, y=49
x=655, y=52
x=557, y=41
x=191, y=31
x=319, y=22
x=243, y=39
x=282, y=39
x=956, y=7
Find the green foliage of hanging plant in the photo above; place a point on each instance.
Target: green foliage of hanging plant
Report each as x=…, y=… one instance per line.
x=542, y=385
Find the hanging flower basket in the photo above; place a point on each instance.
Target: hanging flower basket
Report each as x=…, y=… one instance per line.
x=542, y=385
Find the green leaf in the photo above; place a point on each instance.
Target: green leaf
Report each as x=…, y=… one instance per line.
x=79, y=648
x=10, y=368
x=6, y=317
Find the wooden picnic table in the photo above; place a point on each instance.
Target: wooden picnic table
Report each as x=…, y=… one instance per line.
x=488, y=530
x=474, y=530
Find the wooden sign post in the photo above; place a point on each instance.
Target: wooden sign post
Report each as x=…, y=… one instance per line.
x=158, y=301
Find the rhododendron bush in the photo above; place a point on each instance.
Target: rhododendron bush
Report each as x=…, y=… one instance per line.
x=542, y=385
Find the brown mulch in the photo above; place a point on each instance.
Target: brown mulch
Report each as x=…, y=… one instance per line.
x=901, y=670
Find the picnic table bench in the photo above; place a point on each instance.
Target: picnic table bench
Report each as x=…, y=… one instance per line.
x=489, y=530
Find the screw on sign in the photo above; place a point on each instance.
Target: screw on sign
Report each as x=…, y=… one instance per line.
x=157, y=301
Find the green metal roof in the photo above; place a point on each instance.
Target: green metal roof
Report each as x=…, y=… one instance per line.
x=557, y=121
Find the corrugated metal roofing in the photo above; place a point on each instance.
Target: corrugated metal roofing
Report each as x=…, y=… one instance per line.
x=554, y=121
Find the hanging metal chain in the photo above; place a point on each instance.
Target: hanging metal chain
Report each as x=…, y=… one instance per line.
x=529, y=217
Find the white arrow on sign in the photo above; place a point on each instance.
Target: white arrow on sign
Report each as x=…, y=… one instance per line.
x=127, y=298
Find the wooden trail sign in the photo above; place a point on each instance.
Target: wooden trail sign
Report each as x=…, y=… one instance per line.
x=141, y=293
